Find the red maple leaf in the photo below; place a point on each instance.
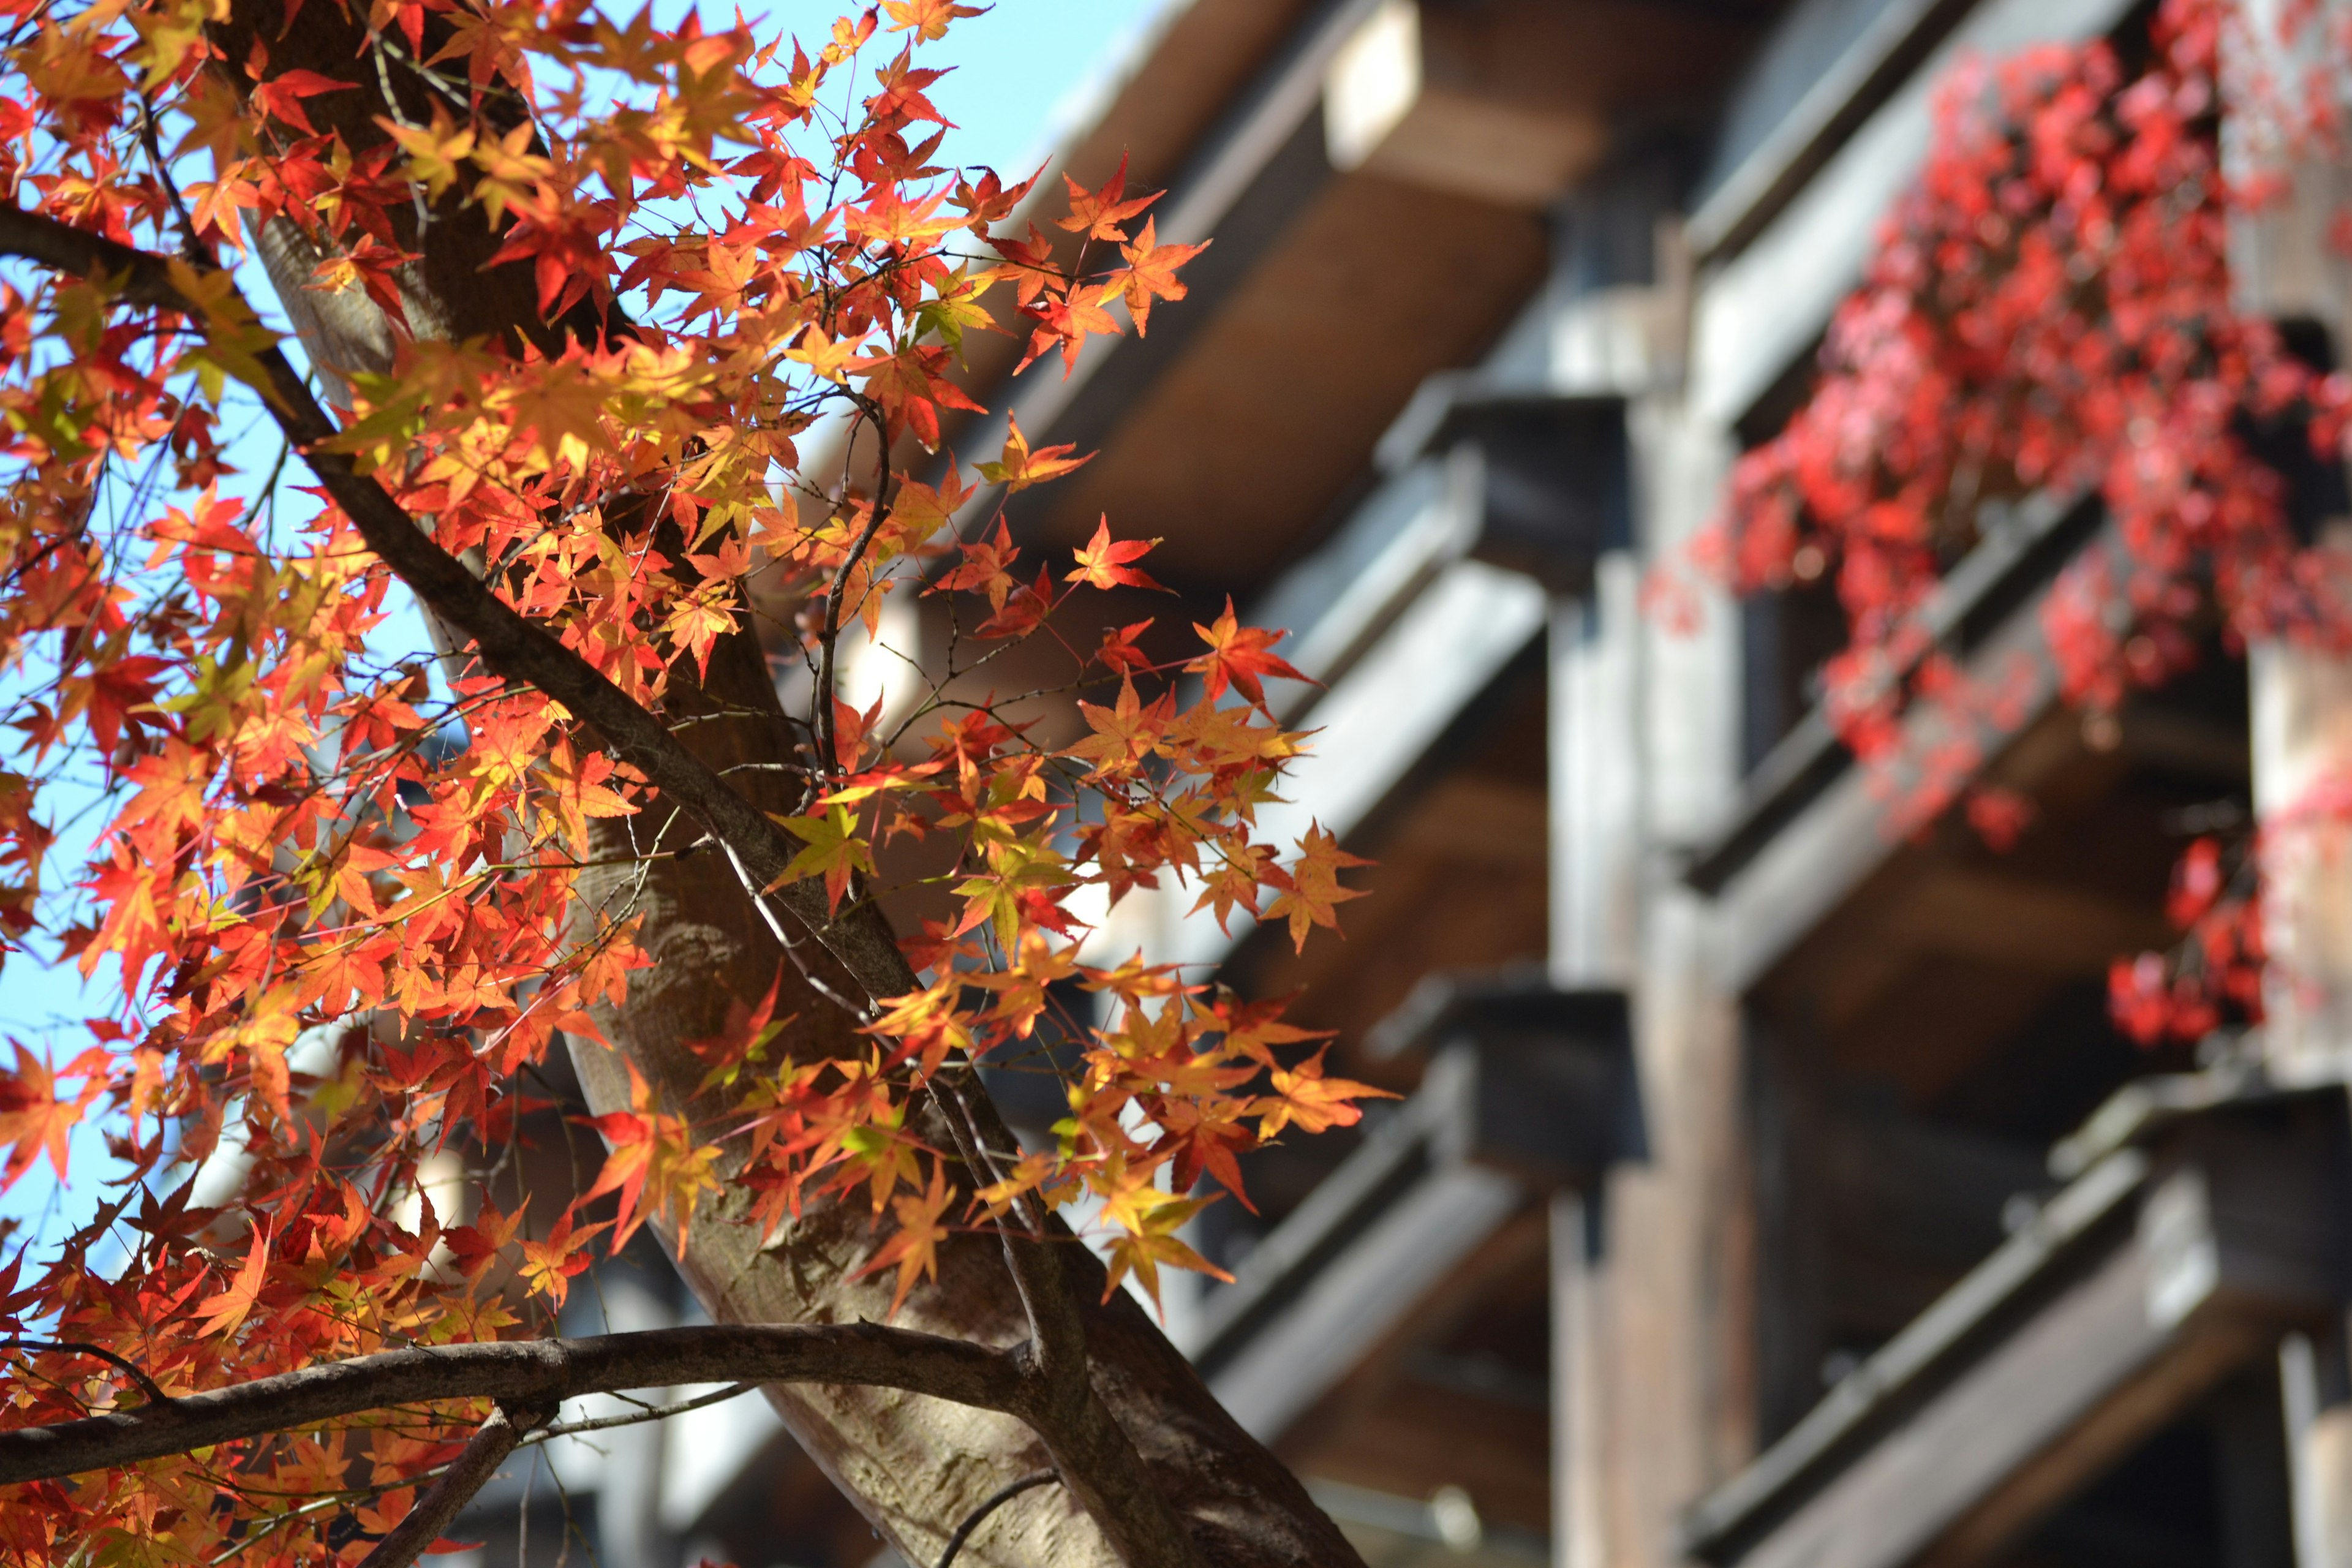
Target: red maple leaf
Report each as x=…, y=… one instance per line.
x=1240, y=655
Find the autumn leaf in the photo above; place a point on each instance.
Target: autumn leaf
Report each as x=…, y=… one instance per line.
x=985, y=568
x=1239, y=656
x=1103, y=562
x=914, y=1244
x=1305, y=1099
x=475, y=1247
x=280, y=96
x=549, y=1267
x=653, y=1164
x=1126, y=733
x=1148, y=1220
x=1314, y=893
x=1150, y=273
x=1118, y=650
x=928, y=18
x=34, y=1119
x=1065, y=324
x=1019, y=467
x=743, y=1039
x=828, y=357
x=1099, y=214
x=223, y=1312
x=832, y=849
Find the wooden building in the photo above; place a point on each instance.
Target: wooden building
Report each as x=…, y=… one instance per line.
x=1770, y=1187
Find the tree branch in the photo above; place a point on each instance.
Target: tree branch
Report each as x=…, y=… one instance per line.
x=485, y=1452
x=524, y=1373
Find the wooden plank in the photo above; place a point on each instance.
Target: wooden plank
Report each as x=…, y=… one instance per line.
x=1579, y=1522
x=1362, y=1296
x=1730, y=1511
x=1811, y=865
x=1871, y=66
x=1596, y=766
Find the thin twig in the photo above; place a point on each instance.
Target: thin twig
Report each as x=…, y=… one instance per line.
x=147, y=1385
x=822, y=718
x=979, y=1516
x=650, y=1412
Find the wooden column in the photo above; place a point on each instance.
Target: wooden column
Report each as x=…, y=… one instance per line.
x=2284, y=266
x=1677, y=1264
x=2303, y=745
x=1580, y=1526
x=1595, y=778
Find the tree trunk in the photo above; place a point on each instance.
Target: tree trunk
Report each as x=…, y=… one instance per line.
x=916, y=1466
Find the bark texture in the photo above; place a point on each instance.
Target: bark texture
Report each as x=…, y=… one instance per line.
x=914, y=1464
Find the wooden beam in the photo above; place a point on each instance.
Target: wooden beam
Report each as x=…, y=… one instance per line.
x=1886, y=48
x=1394, y=106
x=2040, y=927
x=1362, y=1298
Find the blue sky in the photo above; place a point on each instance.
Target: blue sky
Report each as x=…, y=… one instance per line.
x=1023, y=73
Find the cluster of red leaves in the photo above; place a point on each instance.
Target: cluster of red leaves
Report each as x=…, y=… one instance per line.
x=2215, y=975
x=305, y=847
x=2048, y=314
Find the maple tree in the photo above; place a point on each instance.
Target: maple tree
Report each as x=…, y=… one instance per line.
x=622, y=345
x=2050, y=313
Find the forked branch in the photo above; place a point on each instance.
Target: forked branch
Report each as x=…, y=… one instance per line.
x=439, y=1507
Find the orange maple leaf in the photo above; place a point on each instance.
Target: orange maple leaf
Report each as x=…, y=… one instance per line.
x=1238, y=656
x=986, y=568
x=1099, y=214
x=1148, y=1220
x=1314, y=889
x=1103, y=564
x=929, y=18
x=1067, y=323
x=280, y=97
x=548, y=1266
x=653, y=1164
x=474, y=1248
x=34, y=1119
x=1020, y=467
x=831, y=847
x=222, y=1313
x=1124, y=734
x=1305, y=1099
x=1119, y=651
x=1149, y=273
x=914, y=1247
